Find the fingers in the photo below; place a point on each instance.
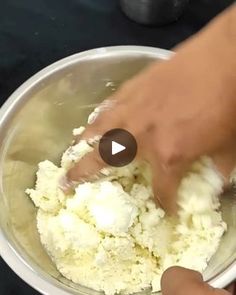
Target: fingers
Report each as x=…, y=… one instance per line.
x=182, y=281
x=165, y=190
x=166, y=181
x=87, y=168
x=105, y=117
x=225, y=162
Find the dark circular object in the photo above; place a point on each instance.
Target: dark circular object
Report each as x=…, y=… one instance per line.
x=118, y=147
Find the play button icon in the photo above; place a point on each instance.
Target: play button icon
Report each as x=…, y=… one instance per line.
x=117, y=147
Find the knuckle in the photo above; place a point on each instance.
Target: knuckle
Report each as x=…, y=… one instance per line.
x=169, y=154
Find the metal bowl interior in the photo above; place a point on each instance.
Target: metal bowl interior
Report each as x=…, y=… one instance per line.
x=36, y=124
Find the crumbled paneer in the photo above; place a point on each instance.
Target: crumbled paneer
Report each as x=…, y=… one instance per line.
x=109, y=235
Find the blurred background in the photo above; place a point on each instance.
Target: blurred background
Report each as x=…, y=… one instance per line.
x=34, y=34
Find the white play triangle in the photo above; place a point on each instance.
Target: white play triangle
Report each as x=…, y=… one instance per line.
x=116, y=147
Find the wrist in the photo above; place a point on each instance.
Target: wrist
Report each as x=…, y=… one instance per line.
x=222, y=35
x=215, y=45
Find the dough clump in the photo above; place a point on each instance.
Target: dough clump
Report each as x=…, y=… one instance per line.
x=109, y=235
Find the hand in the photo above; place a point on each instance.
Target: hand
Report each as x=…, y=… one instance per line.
x=181, y=281
x=178, y=110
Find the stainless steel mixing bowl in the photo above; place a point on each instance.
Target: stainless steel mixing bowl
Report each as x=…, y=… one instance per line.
x=36, y=124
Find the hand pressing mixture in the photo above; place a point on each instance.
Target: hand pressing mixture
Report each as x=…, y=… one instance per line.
x=110, y=235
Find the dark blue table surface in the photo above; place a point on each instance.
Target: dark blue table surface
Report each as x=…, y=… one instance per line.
x=35, y=33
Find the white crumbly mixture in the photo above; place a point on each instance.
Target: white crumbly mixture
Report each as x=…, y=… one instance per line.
x=109, y=235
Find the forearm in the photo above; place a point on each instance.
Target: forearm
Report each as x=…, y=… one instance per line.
x=221, y=31
x=223, y=36
x=214, y=48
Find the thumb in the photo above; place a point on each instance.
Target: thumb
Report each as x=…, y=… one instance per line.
x=182, y=281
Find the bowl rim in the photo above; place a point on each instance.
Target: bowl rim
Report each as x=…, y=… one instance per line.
x=8, y=252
